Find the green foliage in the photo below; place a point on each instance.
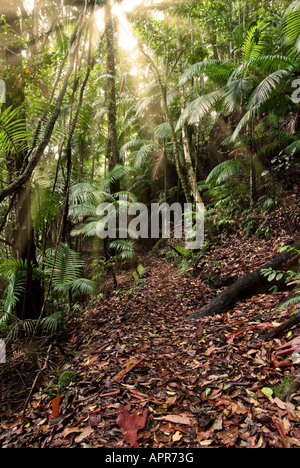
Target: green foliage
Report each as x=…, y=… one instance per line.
x=44, y=209
x=291, y=277
x=67, y=269
x=14, y=134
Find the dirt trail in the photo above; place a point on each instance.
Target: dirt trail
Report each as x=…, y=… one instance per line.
x=147, y=378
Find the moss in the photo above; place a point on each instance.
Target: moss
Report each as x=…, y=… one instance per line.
x=138, y=281
x=65, y=379
x=159, y=248
x=287, y=387
x=142, y=271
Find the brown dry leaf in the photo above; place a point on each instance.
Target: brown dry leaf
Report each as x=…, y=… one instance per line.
x=179, y=419
x=177, y=436
x=86, y=432
x=127, y=367
x=70, y=430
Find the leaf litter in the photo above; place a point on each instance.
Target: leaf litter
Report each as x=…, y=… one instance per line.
x=148, y=378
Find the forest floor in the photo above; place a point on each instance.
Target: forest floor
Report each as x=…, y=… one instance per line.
x=147, y=377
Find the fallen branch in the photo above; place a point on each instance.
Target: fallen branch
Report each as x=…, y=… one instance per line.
x=247, y=285
x=283, y=327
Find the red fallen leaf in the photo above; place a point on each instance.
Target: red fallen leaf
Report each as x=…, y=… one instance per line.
x=55, y=406
x=131, y=423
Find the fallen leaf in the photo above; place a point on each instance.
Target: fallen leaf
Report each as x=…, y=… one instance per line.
x=84, y=434
x=178, y=419
x=130, y=424
x=55, y=406
x=177, y=436
x=128, y=366
x=70, y=430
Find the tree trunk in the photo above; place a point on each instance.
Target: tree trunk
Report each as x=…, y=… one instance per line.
x=191, y=174
x=23, y=245
x=163, y=92
x=113, y=149
x=246, y=286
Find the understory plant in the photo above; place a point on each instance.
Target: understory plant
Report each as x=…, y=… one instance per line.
x=61, y=272
x=292, y=279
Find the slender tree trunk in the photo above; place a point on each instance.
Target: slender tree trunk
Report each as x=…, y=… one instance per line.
x=113, y=150
x=191, y=174
x=73, y=123
x=245, y=13
x=180, y=171
x=23, y=243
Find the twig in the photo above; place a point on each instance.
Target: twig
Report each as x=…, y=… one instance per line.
x=37, y=377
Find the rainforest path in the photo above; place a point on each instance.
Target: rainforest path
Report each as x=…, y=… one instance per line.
x=145, y=377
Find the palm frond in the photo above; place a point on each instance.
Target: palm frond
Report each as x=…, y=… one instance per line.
x=255, y=41
x=293, y=148
x=234, y=90
x=244, y=120
x=67, y=272
x=83, y=192
x=218, y=71
x=143, y=154
x=163, y=131
x=198, y=108
x=291, y=28
x=44, y=209
x=52, y=323
x=159, y=163
x=14, y=134
x=133, y=145
x=89, y=229
x=266, y=88
x=226, y=170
